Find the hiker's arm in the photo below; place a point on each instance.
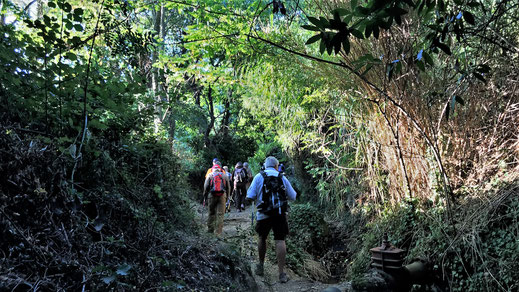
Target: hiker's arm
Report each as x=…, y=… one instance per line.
x=206, y=185
x=291, y=193
x=255, y=188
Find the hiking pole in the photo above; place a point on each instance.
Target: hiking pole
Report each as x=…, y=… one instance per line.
x=252, y=215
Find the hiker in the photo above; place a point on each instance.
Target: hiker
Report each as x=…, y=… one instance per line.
x=229, y=176
x=240, y=180
x=281, y=168
x=230, y=199
x=216, y=188
x=271, y=190
x=249, y=174
x=215, y=162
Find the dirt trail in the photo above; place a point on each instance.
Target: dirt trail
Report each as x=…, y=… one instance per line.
x=238, y=230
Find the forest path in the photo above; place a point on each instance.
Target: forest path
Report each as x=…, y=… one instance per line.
x=238, y=230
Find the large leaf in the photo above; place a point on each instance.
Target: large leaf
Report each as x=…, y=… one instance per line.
x=346, y=45
x=310, y=27
x=341, y=11
x=444, y=48
x=469, y=17
x=315, y=22
x=356, y=33
x=314, y=39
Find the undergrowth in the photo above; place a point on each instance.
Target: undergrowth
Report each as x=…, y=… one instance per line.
x=125, y=222
x=475, y=250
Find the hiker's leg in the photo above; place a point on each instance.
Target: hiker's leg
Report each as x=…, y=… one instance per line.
x=281, y=252
x=211, y=219
x=243, y=195
x=262, y=248
x=263, y=228
x=280, y=229
x=220, y=211
x=238, y=198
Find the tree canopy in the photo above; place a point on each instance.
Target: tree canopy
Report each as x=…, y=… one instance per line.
x=398, y=114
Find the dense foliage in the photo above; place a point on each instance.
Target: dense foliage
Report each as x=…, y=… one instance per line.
x=393, y=116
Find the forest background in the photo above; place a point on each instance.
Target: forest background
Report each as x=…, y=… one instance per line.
x=396, y=116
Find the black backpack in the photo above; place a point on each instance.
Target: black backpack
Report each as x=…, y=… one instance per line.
x=240, y=175
x=274, y=198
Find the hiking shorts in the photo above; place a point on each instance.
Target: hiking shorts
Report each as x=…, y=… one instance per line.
x=278, y=224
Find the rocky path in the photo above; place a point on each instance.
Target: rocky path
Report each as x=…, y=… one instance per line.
x=238, y=229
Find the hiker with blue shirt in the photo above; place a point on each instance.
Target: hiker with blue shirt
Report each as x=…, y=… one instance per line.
x=271, y=191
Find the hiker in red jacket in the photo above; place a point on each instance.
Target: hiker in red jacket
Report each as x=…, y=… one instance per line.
x=216, y=188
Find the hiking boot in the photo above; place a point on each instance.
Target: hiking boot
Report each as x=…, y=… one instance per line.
x=283, y=278
x=259, y=270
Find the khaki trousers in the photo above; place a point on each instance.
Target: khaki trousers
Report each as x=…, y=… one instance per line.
x=216, y=211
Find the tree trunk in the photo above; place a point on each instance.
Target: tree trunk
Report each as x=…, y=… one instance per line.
x=155, y=76
x=210, y=104
x=227, y=115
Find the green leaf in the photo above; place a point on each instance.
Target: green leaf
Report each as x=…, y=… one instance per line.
x=310, y=27
x=322, y=47
x=314, y=39
x=386, y=24
x=78, y=27
x=78, y=11
x=428, y=58
x=353, y=4
x=368, y=67
x=361, y=11
x=444, y=48
x=341, y=11
x=324, y=22
x=71, y=56
x=66, y=7
x=469, y=17
x=337, y=47
x=356, y=33
x=369, y=29
x=473, y=4
x=420, y=65
x=347, y=19
x=375, y=31
x=75, y=40
x=52, y=4
x=346, y=45
x=315, y=22
x=397, y=11
x=329, y=49
x=398, y=19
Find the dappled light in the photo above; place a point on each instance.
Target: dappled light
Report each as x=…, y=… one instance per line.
x=280, y=145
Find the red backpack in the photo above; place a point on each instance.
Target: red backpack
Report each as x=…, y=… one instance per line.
x=217, y=184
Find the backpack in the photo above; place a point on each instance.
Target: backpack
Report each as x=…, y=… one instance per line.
x=274, y=198
x=217, y=184
x=240, y=175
